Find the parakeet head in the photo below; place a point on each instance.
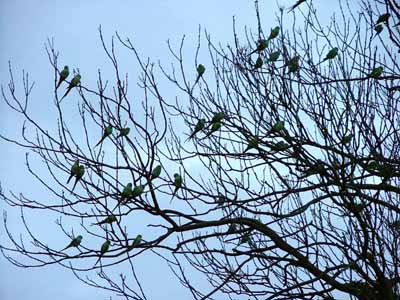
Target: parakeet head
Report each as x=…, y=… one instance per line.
x=201, y=69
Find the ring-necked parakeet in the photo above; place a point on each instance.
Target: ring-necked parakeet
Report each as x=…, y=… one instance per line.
x=177, y=183
x=156, y=172
x=258, y=64
x=200, y=71
x=137, y=191
x=384, y=18
x=199, y=126
x=126, y=192
x=136, y=241
x=376, y=72
x=296, y=4
x=108, y=220
x=278, y=126
x=273, y=56
x=74, y=82
x=215, y=127
x=252, y=144
x=63, y=75
x=293, y=64
x=106, y=132
x=75, y=242
x=279, y=146
x=104, y=248
x=74, y=170
x=218, y=117
x=372, y=166
x=274, y=33
x=123, y=132
x=261, y=46
x=331, y=54
x=79, y=175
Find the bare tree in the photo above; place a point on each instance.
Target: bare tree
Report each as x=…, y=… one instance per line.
x=286, y=187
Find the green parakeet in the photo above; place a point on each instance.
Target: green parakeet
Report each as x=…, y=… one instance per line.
x=126, y=192
x=331, y=54
x=296, y=4
x=74, y=170
x=383, y=18
x=63, y=75
x=218, y=117
x=258, y=64
x=107, y=132
x=273, y=56
x=346, y=139
x=278, y=126
x=104, y=248
x=280, y=146
x=199, y=126
x=79, y=175
x=156, y=172
x=215, y=127
x=74, y=82
x=252, y=144
x=123, y=132
x=177, y=183
x=200, y=71
x=108, y=220
x=74, y=242
x=274, y=33
x=293, y=64
x=376, y=72
x=136, y=241
x=261, y=46
x=137, y=191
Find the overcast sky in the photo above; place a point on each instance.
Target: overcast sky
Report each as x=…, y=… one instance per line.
x=25, y=26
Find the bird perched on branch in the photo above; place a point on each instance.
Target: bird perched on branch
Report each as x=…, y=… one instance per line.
x=63, y=75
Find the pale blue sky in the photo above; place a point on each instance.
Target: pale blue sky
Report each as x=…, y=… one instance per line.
x=24, y=27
